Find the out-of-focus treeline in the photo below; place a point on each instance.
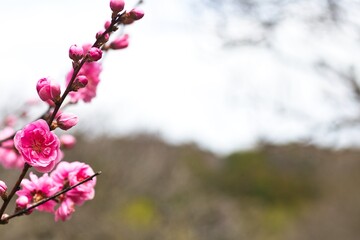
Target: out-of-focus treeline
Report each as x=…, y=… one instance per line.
x=329, y=33
x=150, y=189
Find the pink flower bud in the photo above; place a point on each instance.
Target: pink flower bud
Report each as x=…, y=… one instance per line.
x=80, y=82
x=66, y=121
x=76, y=53
x=42, y=83
x=67, y=141
x=47, y=90
x=120, y=43
x=94, y=54
x=107, y=24
x=44, y=93
x=3, y=188
x=136, y=14
x=117, y=5
x=22, y=202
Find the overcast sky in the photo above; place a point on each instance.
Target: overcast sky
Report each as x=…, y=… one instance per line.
x=176, y=79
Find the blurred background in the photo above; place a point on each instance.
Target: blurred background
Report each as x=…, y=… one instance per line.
x=224, y=119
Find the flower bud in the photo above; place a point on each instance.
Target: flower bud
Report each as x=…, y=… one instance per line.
x=44, y=93
x=66, y=121
x=80, y=82
x=22, y=202
x=3, y=217
x=3, y=189
x=94, y=54
x=67, y=141
x=117, y=5
x=136, y=14
x=76, y=53
x=43, y=89
x=48, y=91
x=107, y=24
x=42, y=83
x=120, y=43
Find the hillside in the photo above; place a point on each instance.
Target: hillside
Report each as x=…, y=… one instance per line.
x=152, y=190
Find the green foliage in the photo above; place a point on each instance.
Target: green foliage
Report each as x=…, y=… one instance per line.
x=140, y=213
x=252, y=174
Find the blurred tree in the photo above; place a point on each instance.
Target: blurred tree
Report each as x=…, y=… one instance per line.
x=262, y=24
x=267, y=15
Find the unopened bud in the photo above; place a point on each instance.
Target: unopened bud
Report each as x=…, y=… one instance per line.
x=107, y=24
x=3, y=218
x=80, y=82
x=94, y=54
x=3, y=189
x=136, y=14
x=42, y=83
x=22, y=202
x=76, y=53
x=66, y=121
x=117, y=5
x=120, y=43
x=48, y=91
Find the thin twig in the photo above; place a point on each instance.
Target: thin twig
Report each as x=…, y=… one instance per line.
x=21, y=212
x=13, y=191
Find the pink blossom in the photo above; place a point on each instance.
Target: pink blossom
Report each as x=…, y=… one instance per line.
x=117, y=5
x=66, y=121
x=36, y=189
x=67, y=141
x=64, y=211
x=120, y=43
x=9, y=156
x=92, y=72
x=76, y=53
x=39, y=147
x=69, y=174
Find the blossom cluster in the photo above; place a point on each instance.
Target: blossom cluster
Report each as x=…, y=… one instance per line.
x=66, y=174
x=63, y=184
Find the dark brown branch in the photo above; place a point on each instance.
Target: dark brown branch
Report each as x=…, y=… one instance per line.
x=13, y=191
x=21, y=212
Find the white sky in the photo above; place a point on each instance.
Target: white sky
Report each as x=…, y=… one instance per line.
x=175, y=79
